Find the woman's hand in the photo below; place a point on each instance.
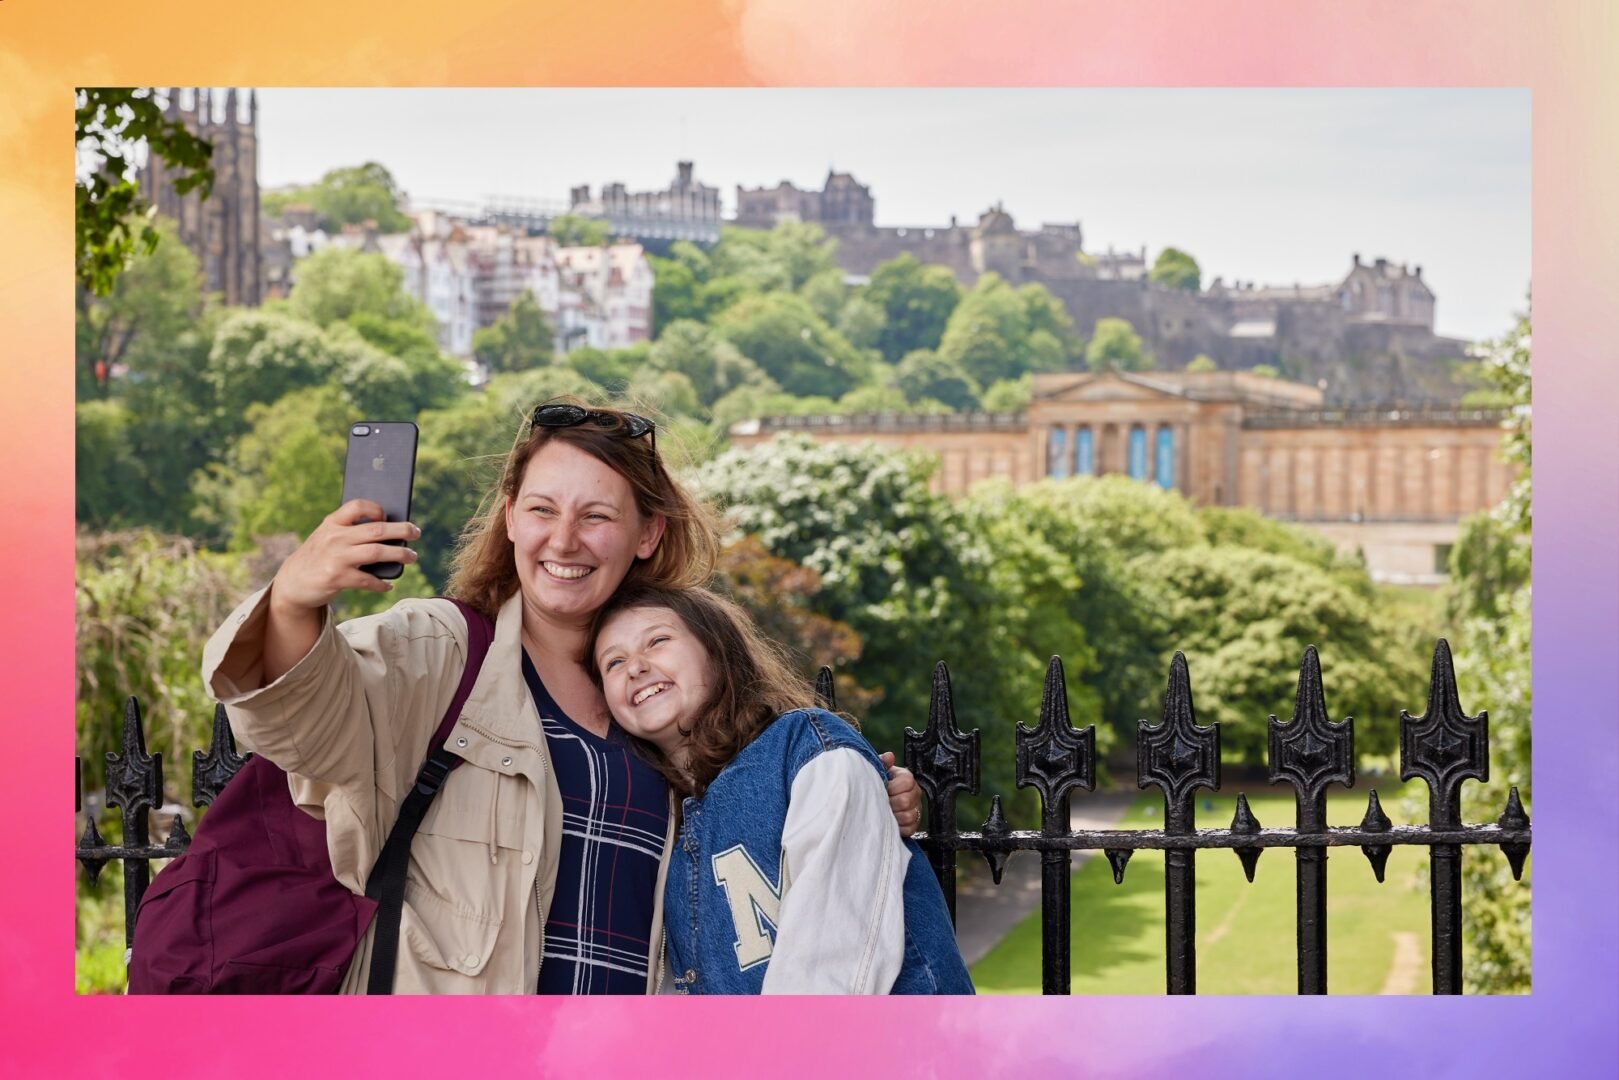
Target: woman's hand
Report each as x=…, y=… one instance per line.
x=324, y=565
x=904, y=796
x=329, y=560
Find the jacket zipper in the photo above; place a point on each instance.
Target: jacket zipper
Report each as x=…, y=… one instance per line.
x=540, y=908
x=663, y=953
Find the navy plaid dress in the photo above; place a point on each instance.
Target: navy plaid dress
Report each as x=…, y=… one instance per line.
x=615, y=815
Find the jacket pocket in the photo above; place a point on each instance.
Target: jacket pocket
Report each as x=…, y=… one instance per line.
x=450, y=946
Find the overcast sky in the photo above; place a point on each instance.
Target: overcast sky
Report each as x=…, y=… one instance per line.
x=1271, y=186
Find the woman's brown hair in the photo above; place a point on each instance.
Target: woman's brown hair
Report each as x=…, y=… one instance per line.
x=484, y=569
x=752, y=679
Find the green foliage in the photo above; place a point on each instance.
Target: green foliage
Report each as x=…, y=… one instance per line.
x=518, y=340
x=1490, y=593
x=612, y=369
x=916, y=302
x=1202, y=362
x=111, y=222
x=1009, y=395
x=1265, y=371
x=873, y=399
x=861, y=322
x=714, y=366
x=335, y=284
x=784, y=258
x=1115, y=344
x=1239, y=526
x=1243, y=619
x=927, y=374
x=349, y=196
x=684, y=286
x=141, y=321
x=571, y=230
x=902, y=568
x=825, y=293
x=144, y=605
x=998, y=332
x=1177, y=270
x=258, y=357
x=794, y=346
x=663, y=394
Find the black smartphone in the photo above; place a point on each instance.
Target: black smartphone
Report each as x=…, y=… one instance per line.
x=381, y=466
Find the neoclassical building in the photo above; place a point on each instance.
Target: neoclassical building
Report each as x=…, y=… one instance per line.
x=1392, y=482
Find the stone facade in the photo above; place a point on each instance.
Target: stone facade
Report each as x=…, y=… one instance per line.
x=1391, y=482
x=223, y=229
x=685, y=210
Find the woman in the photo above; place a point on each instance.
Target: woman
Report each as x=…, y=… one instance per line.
x=540, y=865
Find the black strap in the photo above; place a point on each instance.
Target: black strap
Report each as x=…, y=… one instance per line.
x=386, y=885
x=387, y=882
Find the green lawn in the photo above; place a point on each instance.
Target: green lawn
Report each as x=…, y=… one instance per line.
x=1245, y=933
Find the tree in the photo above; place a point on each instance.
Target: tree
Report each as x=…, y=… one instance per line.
x=140, y=321
x=1264, y=371
x=1201, y=362
x=916, y=302
x=349, y=196
x=785, y=257
x=609, y=368
x=260, y=356
x=998, y=332
x=714, y=366
x=335, y=284
x=861, y=322
x=519, y=339
x=782, y=334
x=1009, y=395
x=926, y=374
x=571, y=230
x=1115, y=344
x=110, y=221
x=1177, y=270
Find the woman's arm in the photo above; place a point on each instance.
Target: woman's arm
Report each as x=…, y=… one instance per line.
x=842, y=928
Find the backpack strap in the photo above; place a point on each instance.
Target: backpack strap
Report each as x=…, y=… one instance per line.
x=386, y=885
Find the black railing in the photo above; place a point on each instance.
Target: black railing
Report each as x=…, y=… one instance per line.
x=1443, y=747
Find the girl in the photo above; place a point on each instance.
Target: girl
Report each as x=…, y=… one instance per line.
x=788, y=874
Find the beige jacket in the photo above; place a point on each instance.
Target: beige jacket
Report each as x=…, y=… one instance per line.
x=350, y=725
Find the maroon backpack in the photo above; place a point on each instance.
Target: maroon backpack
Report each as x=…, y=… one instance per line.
x=253, y=907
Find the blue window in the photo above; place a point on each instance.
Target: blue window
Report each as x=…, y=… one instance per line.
x=1164, y=465
x=1084, y=458
x=1138, y=453
x=1056, y=454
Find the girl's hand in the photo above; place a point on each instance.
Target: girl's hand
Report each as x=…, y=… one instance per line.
x=329, y=560
x=904, y=796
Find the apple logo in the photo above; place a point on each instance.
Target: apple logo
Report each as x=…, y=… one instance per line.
x=378, y=462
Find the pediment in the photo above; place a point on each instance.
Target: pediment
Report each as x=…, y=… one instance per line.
x=1107, y=386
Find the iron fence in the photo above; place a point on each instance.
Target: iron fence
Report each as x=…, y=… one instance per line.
x=1442, y=747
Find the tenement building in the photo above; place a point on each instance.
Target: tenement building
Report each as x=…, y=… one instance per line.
x=1393, y=483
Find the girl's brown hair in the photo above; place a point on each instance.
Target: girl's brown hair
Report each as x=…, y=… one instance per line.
x=752, y=679
x=484, y=569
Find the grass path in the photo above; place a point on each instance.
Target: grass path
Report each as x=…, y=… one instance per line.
x=1377, y=935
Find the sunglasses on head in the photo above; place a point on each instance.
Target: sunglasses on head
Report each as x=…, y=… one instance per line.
x=628, y=425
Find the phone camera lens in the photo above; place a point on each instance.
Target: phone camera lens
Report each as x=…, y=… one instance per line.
x=361, y=429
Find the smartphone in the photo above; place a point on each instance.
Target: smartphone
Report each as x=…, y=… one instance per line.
x=381, y=466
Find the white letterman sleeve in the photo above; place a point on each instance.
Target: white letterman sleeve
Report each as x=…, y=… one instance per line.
x=842, y=928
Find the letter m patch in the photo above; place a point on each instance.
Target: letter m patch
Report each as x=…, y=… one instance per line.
x=755, y=904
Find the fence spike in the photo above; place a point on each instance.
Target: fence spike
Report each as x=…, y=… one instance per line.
x=91, y=839
x=1118, y=858
x=825, y=693
x=210, y=772
x=179, y=839
x=1244, y=821
x=1513, y=817
x=1055, y=757
x=1178, y=754
x=1444, y=746
x=1310, y=751
x=134, y=778
x=1376, y=821
x=943, y=758
x=995, y=826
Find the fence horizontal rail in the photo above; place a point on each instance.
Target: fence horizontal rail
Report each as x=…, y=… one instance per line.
x=1216, y=839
